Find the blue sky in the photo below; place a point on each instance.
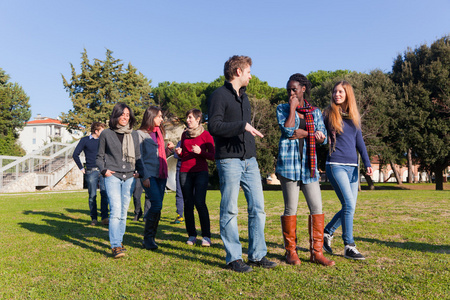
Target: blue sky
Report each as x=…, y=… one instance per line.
x=188, y=41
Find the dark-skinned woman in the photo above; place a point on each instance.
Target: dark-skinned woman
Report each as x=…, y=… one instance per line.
x=301, y=128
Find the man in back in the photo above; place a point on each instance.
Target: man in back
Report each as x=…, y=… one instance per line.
x=89, y=145
x=229, y=117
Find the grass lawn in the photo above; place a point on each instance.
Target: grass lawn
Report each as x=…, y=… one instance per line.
x=49, y=251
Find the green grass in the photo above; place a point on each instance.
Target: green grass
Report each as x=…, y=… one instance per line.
x=49, y=251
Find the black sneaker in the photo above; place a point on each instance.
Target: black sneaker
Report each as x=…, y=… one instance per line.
x=240, y=266
x=264, y=262
x=352, y=253
x=327, y=238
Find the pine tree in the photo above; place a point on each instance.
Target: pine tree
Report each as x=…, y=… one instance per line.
x=99, y=86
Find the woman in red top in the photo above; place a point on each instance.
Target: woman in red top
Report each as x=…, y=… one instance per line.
x=197, y=145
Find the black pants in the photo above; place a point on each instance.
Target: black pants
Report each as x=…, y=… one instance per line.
x=194, y=186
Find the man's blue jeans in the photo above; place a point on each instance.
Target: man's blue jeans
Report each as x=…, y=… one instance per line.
x=234, y=172
x=344, y=180
x=119, y=196
x=93, y=179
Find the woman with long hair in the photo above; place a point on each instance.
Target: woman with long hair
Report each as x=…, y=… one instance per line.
x=118, y=157
x=343, y=124
x=197, y=145
x=301, y=128
x=154, y=177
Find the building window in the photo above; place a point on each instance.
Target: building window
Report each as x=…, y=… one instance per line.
x=34, y=141
x=34, y=129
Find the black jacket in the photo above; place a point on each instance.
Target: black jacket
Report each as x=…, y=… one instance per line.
x=227, y=116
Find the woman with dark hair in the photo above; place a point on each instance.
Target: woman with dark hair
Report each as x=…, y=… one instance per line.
x=343, y=123
x=118, y=157
x=197, y=145
x=301, y=128
x=154, y=177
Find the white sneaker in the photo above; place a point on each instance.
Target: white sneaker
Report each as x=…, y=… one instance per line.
x=327, y=238
x=206, y=241
x=191, y=240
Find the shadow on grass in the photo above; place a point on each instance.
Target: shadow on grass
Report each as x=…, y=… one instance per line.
x=78, y=232
x=71, y=230
x=442, y=249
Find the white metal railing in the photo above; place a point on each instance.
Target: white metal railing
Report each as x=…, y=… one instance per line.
x=50, y=164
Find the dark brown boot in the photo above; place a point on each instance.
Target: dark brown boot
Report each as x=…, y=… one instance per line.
x=315, y=226
x=289, y=227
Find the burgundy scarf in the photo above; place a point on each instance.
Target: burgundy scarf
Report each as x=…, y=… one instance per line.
x=309, y=119
x=161, y=153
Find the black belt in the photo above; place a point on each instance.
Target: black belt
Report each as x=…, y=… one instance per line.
x=93, y=169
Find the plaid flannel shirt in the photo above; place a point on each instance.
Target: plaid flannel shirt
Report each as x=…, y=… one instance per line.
x=288, y=162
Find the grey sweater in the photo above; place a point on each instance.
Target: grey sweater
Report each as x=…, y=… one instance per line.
x=110, y=157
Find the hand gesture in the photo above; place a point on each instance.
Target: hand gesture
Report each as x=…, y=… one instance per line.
x=146, y=183
x=196, y=149
x=320, y=136
x=299, y=134
x=109, y=173
x=293, y=101
x=253, y=131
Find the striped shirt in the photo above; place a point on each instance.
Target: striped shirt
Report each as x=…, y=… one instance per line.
x=289, y=163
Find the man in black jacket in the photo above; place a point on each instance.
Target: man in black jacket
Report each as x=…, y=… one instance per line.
x=229, y=117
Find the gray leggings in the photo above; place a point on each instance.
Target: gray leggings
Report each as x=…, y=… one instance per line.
x=291, y=191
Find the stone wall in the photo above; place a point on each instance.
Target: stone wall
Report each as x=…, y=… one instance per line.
x=26, y=183
x=72, y=181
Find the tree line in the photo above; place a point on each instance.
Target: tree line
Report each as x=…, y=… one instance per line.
x=404, y=112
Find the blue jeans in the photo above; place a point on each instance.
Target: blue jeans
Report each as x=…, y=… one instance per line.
x=194, y=186
x=93, y=179
x=119, y=196
x=233, y=173
x=344, y=180
x=156, y=194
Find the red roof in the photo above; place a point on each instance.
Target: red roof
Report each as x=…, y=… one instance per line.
x=44, y=121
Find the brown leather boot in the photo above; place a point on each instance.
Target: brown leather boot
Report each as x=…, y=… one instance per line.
x=315, y=226
x=289, y=227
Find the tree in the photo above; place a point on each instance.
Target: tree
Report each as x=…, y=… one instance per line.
x=14, y=113
x=99, y=86
x=423, y=76
x=263, y=100
x=176, y=99
x=318, y=77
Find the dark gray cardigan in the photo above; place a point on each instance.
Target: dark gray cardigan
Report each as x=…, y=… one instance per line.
x=110, y=157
